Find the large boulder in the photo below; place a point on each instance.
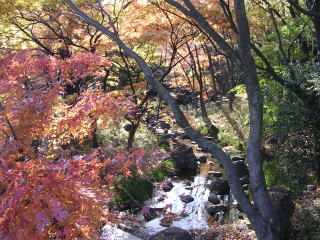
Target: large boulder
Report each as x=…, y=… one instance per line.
x=183, y=157
x=242, y=168
x=220, y=187
x=172, y=233
x=213, y=131
x=282, y=200
x=213, y=199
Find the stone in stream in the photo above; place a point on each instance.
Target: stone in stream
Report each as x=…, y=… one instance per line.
x=188, y=183
x=186, y=198
x=166, y=185
x=213, y=199
x=149, y=213
x=160, y=199
x=214, y=210
x=242, y=168
x=219, y=186
x=203, y=159
x=183, y=157
x=245, y=180
x=245, y=187
x=214, y=174
x=172, y=233
x=164, y=125
x=237, y=158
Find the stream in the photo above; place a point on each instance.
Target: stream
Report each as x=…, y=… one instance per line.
x=171, y=210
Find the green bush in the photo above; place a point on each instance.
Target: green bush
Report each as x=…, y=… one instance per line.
x=279, y=173
x=131, y=192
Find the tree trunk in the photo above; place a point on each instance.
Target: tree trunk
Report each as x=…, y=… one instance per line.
x=248, y=68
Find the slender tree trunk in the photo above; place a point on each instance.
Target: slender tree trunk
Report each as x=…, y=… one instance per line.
x=270, y=230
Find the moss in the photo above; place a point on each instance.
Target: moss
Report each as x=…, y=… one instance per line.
x=163, y=169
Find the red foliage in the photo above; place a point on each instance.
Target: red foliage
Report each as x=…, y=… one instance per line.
x=45, y=191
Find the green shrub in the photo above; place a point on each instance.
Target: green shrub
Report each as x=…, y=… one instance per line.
x=279, y=173
x=131, y=192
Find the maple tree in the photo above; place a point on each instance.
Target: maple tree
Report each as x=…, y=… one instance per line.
x=57, y=192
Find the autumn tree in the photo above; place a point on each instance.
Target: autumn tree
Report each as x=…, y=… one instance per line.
x=49, y=187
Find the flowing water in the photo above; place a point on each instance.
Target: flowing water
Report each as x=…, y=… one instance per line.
x=189, y=216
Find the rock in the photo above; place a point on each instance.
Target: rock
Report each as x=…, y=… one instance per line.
x=242, y=168
x=128, y=127
x=184, y=136
x=220, y=187
x=160, y=199
x=184, y=215
x=215, y=174
x=245, y=180
x=172, y=233
x=237, y=158
x=200, y=149
x=183, y=157
x=164, y=125
x=203, y=159
x=211, y=162
x=186, y=198
x=311, y=188
x=166, y=185
x=213, y=131
x=183, y=99
x=214, y=210
x=188, y=188
x=213, y=199
x=282, y=200
x=245, y=186
x=149, y=213
x=188, y=183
